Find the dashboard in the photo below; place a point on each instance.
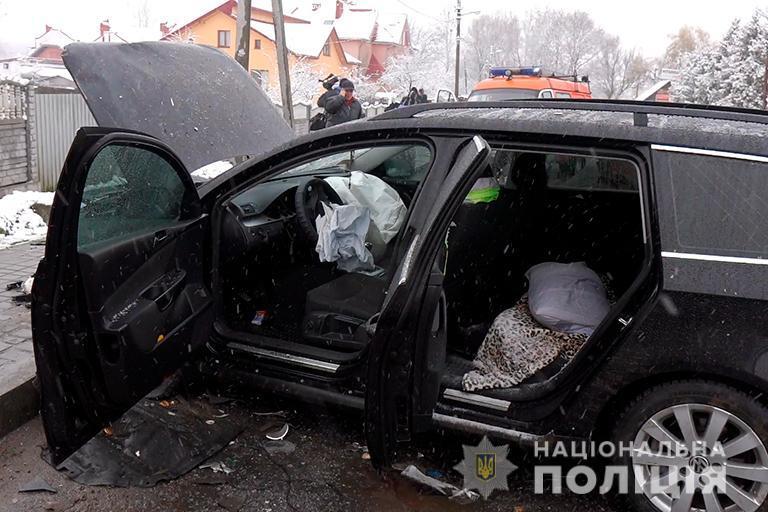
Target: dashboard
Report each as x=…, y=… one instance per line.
x=262, y=216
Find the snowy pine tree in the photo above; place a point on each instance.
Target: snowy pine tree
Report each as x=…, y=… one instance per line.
x=731, y=73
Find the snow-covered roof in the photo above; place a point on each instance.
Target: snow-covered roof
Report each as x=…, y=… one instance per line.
x=352, y=59
x=356, y=24
x=316, y=11
x=649, y=92
x=130, y=35
x=54, y=37
x=390, y=27
x=301, y=38
x=188, y=12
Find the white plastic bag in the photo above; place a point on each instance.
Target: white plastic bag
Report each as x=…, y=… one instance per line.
x=387, y=209
x=341, y=237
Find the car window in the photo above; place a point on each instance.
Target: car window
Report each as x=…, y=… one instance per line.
x=563, y=95
x=545, y=94
x=342, y=160
x=717, y=204
x=128, y=190
x=411, y=164
x=563, y=171
x=589, y=173
x=503, y=94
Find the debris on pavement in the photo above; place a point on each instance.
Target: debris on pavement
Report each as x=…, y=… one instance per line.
x=273, y=447
x=279, y=434
x=37, y=484
x=435, y=473
x=25, y=290
x=217, y=467
x=232, y=503
x=276, y=413
x=414, y=474
x=148, y=445
x=211, y=479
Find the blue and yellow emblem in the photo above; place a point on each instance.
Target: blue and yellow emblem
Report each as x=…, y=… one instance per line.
x=485, y=466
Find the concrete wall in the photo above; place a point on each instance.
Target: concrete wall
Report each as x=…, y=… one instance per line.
x=18, y=145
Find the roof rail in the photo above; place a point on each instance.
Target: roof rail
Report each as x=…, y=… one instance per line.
x=633, y=107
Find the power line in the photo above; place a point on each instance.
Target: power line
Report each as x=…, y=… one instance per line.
x=419, y=12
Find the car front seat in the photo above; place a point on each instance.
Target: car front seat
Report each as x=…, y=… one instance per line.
x=336, y=311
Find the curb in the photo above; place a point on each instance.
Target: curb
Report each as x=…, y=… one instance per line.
x=19, y=401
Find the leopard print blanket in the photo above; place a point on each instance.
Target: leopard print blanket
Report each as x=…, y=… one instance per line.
x=515, y=348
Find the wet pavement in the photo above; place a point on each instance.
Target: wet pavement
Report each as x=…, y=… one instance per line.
x=327, y=470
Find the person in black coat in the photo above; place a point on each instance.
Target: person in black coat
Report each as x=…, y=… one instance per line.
x=343, y=107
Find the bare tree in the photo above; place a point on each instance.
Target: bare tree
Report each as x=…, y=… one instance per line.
x=143, y=14
x=688, y=39
x=618, y=70
x=185, y=35
x=492, y=40
x=580, y=40
x=559, y=41
x=422, y=66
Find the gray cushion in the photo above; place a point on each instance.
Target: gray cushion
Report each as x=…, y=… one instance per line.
x=567, y=297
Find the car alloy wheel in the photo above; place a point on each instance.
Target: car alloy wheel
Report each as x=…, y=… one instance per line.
x=698, y=457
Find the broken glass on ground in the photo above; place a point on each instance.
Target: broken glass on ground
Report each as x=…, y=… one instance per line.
x=414, y=474
x=148, y=445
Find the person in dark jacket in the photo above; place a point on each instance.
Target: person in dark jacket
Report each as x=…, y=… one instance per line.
x=344, y=106
x=411, y=99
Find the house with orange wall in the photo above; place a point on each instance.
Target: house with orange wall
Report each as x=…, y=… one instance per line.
x=367, y=34
x=316, y=44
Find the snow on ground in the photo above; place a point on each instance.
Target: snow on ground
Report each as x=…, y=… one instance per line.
x=210, y=171
x=18, y=223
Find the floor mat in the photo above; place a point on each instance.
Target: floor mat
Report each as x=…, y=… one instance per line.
x=152, y=442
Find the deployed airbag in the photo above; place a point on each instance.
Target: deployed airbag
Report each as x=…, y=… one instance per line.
x=387, y=209
x=341, y=236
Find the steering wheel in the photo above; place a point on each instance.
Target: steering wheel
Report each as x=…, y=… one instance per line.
x=309, y=196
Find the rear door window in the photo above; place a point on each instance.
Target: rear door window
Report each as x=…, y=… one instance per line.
x=716, y=205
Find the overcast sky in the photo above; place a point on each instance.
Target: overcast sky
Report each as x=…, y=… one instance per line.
x=644, y=24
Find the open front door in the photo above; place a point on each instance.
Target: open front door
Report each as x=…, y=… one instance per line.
x=412, y=313
x=119, y=300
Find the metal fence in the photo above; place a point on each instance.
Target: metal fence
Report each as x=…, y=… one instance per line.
x=59, y=116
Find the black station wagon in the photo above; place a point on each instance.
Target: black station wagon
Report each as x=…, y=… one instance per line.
x=423, y=314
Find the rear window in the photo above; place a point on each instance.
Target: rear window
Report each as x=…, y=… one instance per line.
x=715, y=204
x=503, y=94
x=564, y=171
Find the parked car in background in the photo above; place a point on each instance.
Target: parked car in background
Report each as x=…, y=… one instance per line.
x=528, y=83
x=144, y=271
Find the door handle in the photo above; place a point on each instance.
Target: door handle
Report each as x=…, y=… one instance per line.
x=159, y=237
x=164, y=291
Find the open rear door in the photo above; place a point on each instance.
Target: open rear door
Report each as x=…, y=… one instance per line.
x=412, y=312
x=119, y=300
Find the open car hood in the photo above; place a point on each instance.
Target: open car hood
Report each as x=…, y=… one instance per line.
x=194, y=98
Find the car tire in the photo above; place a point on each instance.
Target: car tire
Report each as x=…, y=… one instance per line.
x=670, y=409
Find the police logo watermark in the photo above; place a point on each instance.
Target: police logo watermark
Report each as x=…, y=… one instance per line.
x=485, y=467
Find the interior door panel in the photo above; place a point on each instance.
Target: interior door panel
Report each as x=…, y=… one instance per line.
x=154, y=293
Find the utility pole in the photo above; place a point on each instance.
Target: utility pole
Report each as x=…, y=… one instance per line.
x=458, y=50
x=243, y=33
x=282, y=61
